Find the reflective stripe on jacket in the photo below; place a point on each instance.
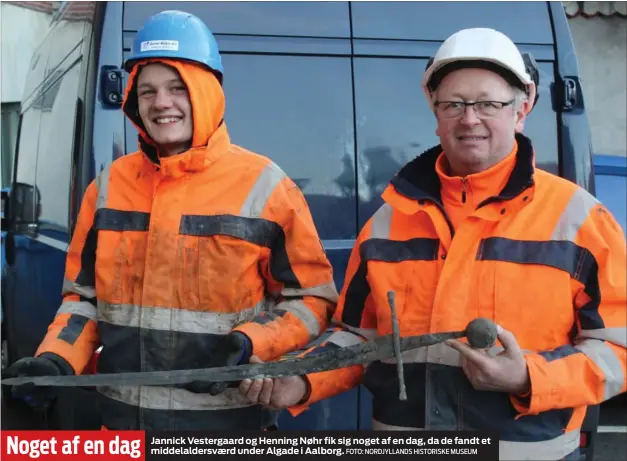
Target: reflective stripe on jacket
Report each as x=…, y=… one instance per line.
x=168, y=255
x=544, y=259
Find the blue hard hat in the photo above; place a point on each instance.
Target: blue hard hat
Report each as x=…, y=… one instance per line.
x=176, y=35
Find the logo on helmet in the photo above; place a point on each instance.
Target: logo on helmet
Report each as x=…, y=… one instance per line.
x=162, y=45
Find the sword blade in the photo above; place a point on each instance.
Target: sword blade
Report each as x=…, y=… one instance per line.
x=380, y=348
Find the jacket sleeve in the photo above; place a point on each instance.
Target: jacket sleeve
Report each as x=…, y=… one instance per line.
x=73, y=335
x=354, y=321
x=298, y=275
x=593, y=368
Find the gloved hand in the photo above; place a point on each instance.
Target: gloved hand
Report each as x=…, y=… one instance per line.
x=234, y=349
x=40, y=397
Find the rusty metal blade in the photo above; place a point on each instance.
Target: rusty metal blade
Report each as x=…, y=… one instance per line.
x=379, y=348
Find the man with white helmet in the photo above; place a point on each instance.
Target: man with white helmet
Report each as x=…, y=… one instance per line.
x=470, y=229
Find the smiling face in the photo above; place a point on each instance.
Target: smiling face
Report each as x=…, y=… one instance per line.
x=473, y=142
x=165, y=108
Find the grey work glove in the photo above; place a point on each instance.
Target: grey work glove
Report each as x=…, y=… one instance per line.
x=40, y=398
x=233, y=349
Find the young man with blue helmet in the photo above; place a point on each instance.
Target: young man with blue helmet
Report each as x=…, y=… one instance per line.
x=190, y=253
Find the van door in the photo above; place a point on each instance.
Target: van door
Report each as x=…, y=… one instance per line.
x=22, y=216
x=51, y=122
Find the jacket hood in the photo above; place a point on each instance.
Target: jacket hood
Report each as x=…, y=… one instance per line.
x=206, y=98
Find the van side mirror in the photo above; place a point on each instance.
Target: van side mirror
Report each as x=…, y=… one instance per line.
x=24, y=207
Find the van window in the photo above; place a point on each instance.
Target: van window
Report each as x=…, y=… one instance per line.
x=37, y=70
x=395, y=124
x=54, y=162
x=303, y=19
x=298, y=111
x=523, y=22
x=45, y=99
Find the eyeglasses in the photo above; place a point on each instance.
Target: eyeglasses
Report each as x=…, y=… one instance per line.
x=483, y=109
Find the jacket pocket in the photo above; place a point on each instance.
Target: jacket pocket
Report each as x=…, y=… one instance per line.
x=532, y=290
x=219, y=267
x=121, y=254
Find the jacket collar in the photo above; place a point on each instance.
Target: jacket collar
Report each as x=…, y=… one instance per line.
x=419, y=181
x=197, y=158
x=210, y=136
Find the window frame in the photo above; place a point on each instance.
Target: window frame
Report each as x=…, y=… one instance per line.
x=76, y=64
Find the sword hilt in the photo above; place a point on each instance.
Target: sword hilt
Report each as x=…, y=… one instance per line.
x=396, y=338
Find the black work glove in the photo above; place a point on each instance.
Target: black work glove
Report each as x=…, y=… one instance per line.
x=39, y=398
x=234, y=349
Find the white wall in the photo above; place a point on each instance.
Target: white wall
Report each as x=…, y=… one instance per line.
x=601, y=46
x=22, y=31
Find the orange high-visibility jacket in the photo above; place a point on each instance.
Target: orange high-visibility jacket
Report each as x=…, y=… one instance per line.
x=170, y=254
x=544, y=259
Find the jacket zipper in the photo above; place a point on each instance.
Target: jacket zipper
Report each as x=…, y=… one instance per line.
x=463, y=190
x=440, y=207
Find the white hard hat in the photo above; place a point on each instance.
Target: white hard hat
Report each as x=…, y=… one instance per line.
x=484, y=48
